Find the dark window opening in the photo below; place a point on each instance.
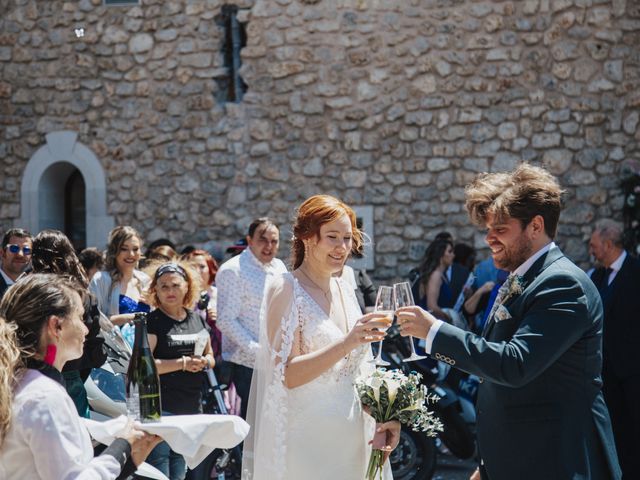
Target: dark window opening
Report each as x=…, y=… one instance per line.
x=75, y=210
x=121, y=2
x=231, y=87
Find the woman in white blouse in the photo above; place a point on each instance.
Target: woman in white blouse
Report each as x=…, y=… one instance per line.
x=41, y=435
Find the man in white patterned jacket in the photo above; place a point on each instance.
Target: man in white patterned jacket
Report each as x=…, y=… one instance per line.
x=241, y=282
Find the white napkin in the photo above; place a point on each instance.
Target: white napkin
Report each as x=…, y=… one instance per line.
x=192, y=436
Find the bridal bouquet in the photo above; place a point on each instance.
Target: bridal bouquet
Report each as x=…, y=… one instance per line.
x=392, y=395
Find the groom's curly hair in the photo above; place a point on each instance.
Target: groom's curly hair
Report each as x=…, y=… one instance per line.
x=521, y=194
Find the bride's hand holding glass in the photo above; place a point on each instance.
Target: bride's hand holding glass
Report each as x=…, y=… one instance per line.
x=369, y=328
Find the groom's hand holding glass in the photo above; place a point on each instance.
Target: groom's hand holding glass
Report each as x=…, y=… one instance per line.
x=414, y=321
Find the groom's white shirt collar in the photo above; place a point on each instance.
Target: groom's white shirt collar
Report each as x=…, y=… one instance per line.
x=521, y=270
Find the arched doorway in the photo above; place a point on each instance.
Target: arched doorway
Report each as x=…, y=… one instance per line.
x=62, y=202
x=64, y=187
x=75, y=210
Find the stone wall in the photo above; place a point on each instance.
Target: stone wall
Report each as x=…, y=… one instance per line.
x=395, y=104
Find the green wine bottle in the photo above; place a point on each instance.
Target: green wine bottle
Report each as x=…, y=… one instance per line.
x=143, y=383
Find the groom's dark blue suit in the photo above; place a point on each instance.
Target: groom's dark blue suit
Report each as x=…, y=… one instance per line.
x=541, y=413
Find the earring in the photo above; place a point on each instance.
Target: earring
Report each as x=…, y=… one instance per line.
x=50, y=355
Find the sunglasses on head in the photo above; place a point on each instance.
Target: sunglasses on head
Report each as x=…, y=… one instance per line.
x=13, y=248
x=170, y=268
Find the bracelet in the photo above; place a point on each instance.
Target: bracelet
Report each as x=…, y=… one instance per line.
x=184, y=363
x=344, y=349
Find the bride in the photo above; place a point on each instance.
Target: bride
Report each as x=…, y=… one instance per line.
x=307, y=420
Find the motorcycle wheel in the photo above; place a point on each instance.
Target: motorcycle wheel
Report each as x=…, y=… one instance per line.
x=457, y=435
x=415, y=456
x=230, y=472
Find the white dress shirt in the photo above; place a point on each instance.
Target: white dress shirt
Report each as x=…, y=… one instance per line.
x=242, y=282
x=521, y=270
x=46, y=440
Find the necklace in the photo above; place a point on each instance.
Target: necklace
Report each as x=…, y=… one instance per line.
x=177, y=318
x=325, y=293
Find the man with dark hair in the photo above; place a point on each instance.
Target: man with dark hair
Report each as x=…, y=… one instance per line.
x=541, y=412
x=91, y=260
x=241, y=283
x=15, y=256
x=618, y=281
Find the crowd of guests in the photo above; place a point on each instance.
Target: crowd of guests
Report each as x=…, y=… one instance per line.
x=54, y=303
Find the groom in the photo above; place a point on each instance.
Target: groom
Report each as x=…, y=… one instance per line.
x=540, y=410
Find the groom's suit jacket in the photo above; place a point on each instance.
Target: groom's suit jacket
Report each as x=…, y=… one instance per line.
x=540, y=409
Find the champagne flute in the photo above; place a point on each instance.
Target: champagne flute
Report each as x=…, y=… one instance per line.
x=404, y=298
x=384, y=304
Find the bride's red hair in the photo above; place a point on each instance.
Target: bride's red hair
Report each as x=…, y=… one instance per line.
x=312, y=214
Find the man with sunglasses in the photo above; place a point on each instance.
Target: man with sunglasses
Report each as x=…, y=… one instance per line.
x=15, y=256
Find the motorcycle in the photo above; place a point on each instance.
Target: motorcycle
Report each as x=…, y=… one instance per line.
x=416, y=455
x=223, y=464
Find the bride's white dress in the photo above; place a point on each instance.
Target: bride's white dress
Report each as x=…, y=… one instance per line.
x=317, y=431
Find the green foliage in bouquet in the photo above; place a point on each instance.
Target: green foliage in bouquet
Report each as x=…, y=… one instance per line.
x=392, y=395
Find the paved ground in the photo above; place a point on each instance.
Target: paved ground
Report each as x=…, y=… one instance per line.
x=451, y=468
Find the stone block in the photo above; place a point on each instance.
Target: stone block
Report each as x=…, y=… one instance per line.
x=285, y=69
x=507, y=131
x=140, y=43
x=546, y=140
x=613, y=70
x=630, y=123
x=5, y=54
x=354, y=178
x=557, y=161
x=505, y=162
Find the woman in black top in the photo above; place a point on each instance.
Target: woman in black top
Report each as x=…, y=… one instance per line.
x=173, y=330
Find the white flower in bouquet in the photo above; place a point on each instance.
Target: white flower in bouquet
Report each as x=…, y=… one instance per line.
x=392, y=395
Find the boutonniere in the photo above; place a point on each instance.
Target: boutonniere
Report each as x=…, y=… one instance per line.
x=501, y=314
x=515, y=287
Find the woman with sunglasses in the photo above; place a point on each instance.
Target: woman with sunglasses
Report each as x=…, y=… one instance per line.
x=120, y=288
x=173, y=330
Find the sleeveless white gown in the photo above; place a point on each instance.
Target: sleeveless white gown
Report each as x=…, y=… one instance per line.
x=318, y=431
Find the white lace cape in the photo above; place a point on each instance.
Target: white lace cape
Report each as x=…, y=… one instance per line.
x=265, y=448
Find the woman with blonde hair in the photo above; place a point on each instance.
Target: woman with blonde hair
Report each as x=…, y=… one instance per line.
x=307, y=420
x=41, y=436
x=120, y=288
x=174, y=331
